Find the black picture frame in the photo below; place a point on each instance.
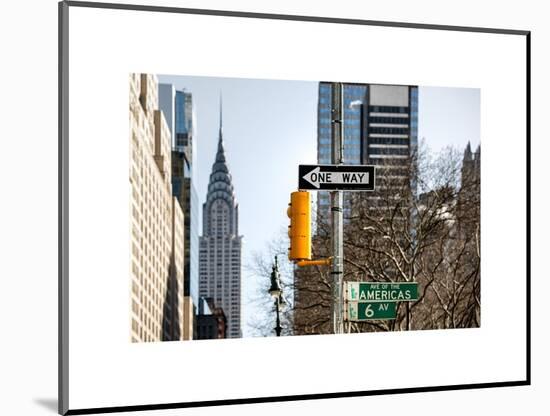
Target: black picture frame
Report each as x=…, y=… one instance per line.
x=63, y=207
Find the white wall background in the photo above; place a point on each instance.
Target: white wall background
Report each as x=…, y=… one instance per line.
x=28, y=218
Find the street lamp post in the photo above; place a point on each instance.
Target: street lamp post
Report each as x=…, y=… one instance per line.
x=277, y=293
x=278, y=324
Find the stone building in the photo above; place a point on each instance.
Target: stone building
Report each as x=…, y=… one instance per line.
x=156, y=221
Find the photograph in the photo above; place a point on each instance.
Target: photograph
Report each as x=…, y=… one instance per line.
x=253, y=208
x=268, y=207
x=302, y=193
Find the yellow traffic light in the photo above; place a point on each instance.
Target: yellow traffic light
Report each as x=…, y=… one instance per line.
x=299, y=230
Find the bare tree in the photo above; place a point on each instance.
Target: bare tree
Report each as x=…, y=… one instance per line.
x=420, y=225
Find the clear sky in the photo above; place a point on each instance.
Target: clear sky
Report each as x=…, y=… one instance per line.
x=449, y=116
x=270, y=127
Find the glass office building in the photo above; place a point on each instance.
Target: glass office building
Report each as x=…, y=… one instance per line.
x=380, y=128
x=184, y=123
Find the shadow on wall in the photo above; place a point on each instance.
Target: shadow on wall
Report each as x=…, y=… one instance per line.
x=170, y=318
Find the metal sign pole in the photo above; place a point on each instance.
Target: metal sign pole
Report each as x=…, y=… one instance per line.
x=337, y=207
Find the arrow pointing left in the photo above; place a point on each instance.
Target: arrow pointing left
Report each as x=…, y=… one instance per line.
x=313, y=177
x=336, y=177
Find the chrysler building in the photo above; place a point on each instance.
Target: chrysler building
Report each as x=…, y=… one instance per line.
x=220, y=243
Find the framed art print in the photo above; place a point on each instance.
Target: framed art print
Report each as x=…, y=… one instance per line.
x=258, y=208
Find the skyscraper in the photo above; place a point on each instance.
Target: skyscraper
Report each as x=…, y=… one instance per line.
x=380, y=128
x=156, y=221
x=220, y=244
x=184, y=123
x=177, y=106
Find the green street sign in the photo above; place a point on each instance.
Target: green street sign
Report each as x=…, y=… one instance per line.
x=365, y=311
x=381, y=292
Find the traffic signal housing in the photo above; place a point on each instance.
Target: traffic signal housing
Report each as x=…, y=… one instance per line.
x=299, y=230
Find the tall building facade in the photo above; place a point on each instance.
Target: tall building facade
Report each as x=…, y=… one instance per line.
x=380, y=128
x=156, y=221
x=184, y=190
x=471, y=165
x=177, y=105
x=220, y=244
x=184, y=123
x=469, y=197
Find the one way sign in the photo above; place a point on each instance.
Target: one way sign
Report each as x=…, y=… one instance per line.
x=336, y=177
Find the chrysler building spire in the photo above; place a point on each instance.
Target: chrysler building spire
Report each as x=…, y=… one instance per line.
x=221, y=120
x=220, y=243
